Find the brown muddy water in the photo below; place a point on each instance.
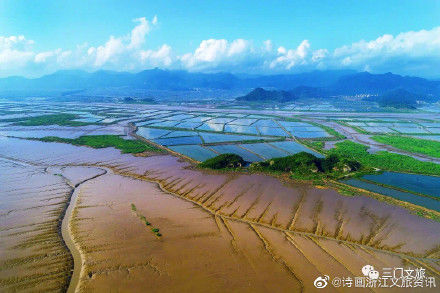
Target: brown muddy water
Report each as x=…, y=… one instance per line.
x=220, y=232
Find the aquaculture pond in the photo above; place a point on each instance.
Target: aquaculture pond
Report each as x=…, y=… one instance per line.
x=241, y=129
x=423, y=201
x=243, y=121
x=294, y=147
x=378, y=129
x=201, y=135
x=218, y=137
x=410, y=130
x=266, y=123
x=232, y=148
x=178, y=140
x=272, y=131
x=189, y=125
x=212, y=127
x=196, y=152
x=166, y=123
x=429, y=185
x=430, y=137
x=397, y=127
x=310, y=134
x=151, y=133
x=265, y=150
x=180, y=133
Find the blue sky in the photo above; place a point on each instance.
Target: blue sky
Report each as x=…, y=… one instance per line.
x=39, y=37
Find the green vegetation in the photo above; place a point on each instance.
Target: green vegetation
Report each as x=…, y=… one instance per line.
x=223, y=161
x=384, y=160
x=301, y=165
x=105, y=141
x=143, y=219
x=428, y=214
x=307, y=166
x=52, y=119
x=319, y=145
x=346, y=159
x=316, y=145
x=410, y=144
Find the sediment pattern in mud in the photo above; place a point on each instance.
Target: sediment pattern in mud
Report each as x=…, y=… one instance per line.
x=33, y=254
x=225, y=231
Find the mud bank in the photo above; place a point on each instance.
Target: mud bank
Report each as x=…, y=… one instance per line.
x=228, y=232
x=74, y=177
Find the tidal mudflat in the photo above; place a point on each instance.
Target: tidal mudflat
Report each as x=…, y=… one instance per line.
x=219, y=231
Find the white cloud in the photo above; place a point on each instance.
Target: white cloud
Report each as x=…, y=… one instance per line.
x=15, y=53
x=138, y=34
x=219, y=54
x=268, y=45
x=43, y=56
x=160, y=57
x=238, y=46
x=210, y=50
x=292, y=57
x=105, y=53
x=386, y=49
x=117, y=49
x=413, y=52
x=15, y=58
x=320, y=54
x=14, y=42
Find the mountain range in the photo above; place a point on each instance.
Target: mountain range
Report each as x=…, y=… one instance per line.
x=315, y=83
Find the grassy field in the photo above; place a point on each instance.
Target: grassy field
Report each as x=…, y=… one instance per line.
x=105, y=141
x=315, y=145
x=410, y=144
x=52, y=119
x=384, y=160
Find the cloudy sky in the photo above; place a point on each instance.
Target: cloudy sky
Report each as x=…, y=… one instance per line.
x=260, y=36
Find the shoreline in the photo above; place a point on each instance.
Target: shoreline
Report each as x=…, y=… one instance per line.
x=70, y=243
x=68, y=237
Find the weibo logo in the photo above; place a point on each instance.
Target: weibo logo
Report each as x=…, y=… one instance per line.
x=321, y=282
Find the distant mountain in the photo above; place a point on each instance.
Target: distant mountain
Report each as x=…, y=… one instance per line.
x=367, y=83
x=147, y=79
x=311, y=84
x=399, y=98
x=289, y=81
x=309, y=92
x=281, y=96
x=168, y=80
x=262, y=95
